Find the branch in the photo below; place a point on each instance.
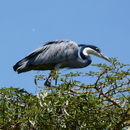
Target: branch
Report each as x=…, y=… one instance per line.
x=103, y=94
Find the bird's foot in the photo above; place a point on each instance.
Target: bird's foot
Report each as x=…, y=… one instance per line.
x=47, y=83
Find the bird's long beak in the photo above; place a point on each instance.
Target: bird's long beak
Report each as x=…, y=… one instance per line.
x=104, y=57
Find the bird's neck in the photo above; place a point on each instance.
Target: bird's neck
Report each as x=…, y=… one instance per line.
x=82, y=54
x=85, y=56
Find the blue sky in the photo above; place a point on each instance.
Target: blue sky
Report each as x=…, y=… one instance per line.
x=27, y=24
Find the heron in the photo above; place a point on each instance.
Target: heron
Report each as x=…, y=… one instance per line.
x=59, y=54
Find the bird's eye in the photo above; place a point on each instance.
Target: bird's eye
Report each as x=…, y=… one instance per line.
x=97, y=49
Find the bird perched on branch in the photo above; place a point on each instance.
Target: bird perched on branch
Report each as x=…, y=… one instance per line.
x=59, y=54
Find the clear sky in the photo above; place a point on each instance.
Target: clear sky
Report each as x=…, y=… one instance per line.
x=27, y=24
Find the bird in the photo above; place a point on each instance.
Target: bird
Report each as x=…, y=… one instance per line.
x=59, y=54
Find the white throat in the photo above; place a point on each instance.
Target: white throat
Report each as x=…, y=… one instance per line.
x=88, y=51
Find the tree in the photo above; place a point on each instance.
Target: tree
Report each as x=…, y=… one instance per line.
x=70, y=104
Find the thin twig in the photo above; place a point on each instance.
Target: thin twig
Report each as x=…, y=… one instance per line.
x=103, y=94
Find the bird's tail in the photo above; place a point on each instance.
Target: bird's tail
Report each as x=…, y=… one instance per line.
x=21, y=66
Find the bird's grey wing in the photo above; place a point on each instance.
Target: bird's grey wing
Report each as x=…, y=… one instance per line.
x=54, y=52
x=28, y=59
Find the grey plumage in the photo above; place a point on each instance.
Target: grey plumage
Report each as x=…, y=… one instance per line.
x=57, y=54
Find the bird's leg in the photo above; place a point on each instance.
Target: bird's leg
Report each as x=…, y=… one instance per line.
x=53, y=75
x=56, y=77
x=48, y=81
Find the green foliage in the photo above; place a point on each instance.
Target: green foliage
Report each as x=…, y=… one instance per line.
x=70, y=104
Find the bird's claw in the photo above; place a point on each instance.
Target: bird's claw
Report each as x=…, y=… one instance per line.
x=47, y=83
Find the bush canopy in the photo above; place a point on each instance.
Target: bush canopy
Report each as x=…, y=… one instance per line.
x=103, y=104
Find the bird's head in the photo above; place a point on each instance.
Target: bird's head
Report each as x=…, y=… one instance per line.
x=93, y=50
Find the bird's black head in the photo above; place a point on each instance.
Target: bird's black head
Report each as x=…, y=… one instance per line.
x=93, y=50
x=90, y=46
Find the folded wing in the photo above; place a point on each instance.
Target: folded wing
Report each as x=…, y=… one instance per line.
x=49, y=55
